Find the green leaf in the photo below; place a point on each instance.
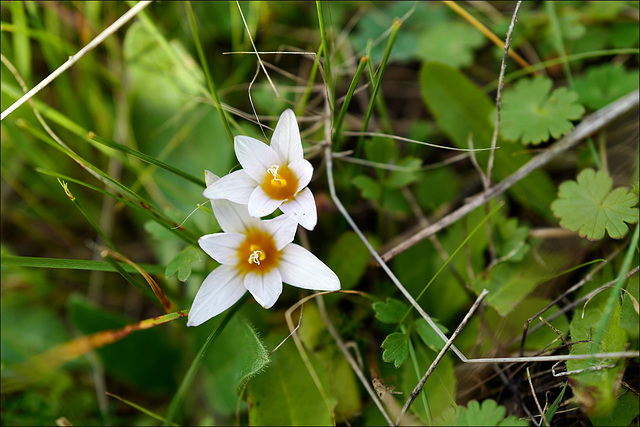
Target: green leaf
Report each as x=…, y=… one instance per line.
x=462, y=109
x=605, y=83
x=390, y=311
x=428, y=335
x=489, y=414
x=629, y=315
x=396, y=348
x=551, y=412
x=399, y=179
x=588, y=206
x=626, y=409
x=510, y=240
x=237, y=355
x=348, y=258
x=181, y=264
x=595, y=389
x=531, y=115
x=285, y=393
x=369, y=187
x=450, y=43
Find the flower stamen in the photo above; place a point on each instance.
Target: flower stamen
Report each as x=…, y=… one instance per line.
x=255, y=257
x=273, y=170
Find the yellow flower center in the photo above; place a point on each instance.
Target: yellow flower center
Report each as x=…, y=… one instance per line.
x=280, y=183
x=258, y=252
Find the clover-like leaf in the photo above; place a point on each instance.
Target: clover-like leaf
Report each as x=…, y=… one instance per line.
x=487, y=414
x=450, y=43
x=531, y=115
x=181, y=263
x=604, y=84
x=588, y=206
x=390, y=311
x=396, y=348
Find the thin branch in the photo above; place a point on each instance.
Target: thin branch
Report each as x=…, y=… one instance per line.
x=588, y=126
x=73, y=59
x=438, y=358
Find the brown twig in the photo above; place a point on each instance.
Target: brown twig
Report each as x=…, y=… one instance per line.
x=588, y=126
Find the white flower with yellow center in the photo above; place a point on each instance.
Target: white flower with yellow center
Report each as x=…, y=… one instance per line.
x=256, y=255
x=272, y=177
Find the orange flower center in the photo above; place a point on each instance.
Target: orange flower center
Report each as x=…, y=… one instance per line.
x=280, y=183
x=258, y=252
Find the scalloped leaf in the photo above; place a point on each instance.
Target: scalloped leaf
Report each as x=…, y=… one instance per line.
x=487, y=414
x=390, y=311
x=531, y=115
x=181, y=263
x=588, y=206
x=396, y=348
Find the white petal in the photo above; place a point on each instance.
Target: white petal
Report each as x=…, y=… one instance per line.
x=303, y=170
x=260, y=204
x=222, y=288
x=223, y=247
x=232, y=217
x=302, y=269
x=236, y=186
x=303, y=209
x=210, y=177
x=282, y=229
x=255, y=157
x=286, y=138
x=265, y=288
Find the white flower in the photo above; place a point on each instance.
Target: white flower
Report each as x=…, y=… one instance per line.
x=272, y=177
x=256, y=255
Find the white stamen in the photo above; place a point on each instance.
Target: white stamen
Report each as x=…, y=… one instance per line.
x=255, y=257
x=273, y=170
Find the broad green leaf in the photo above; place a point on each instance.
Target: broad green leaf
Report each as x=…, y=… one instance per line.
x=462, y=109
x=487, y=414
x=144, y=359
x=511, y=239
x=399, y=179
x=510, y=283
x=450, y=43
x=380, y=150
x=390, y=311
x=285, y=393
x=348, y=258
x=237, y=355
x=396, y=348
x=531, y=115
x=588, y=206
x=605, y=83
x=626, y=409
x=428, y=335
x=181, y=264
x=595, y=389
x=369, y=187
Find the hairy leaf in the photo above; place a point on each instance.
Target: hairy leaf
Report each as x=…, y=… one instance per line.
x=487, y=414
x=396, y=349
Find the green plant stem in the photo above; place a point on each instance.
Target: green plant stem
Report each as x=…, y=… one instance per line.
x=205, y=67
x=557, y=39
x=195, y=365
x=347, y=100
x=414, y=360
x=378, y=82
x=312, y=78
x=326, y=52
x=615, y=294
x=75, y=264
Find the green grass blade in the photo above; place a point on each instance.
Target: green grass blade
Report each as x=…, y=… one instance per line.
x=205, y=67
x=75, y=264
x=326, y=52
x=347, y=101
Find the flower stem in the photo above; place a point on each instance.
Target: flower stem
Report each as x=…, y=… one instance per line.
x=347, y=101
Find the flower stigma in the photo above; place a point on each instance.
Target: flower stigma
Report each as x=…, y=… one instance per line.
x=258, y=252
x=280, y=183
